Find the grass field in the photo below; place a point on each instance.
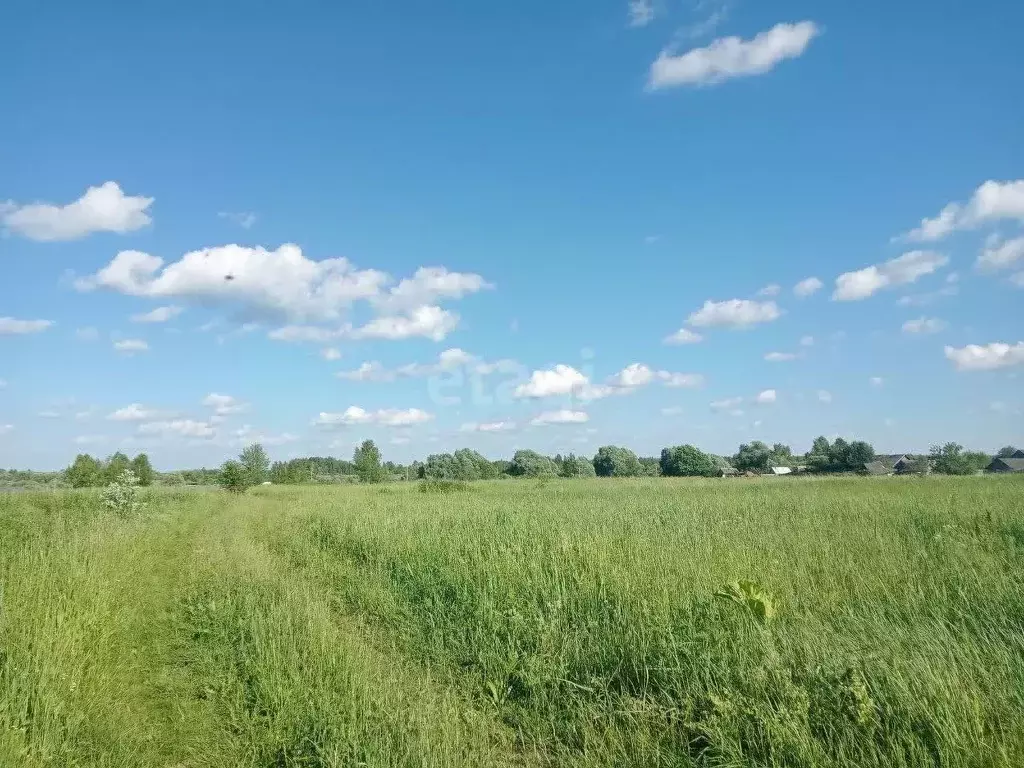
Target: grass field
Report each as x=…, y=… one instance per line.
x=569, y=623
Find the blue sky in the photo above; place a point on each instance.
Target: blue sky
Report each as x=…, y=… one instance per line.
x=465, y=224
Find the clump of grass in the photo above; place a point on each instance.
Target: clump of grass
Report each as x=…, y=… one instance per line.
x=444, y=486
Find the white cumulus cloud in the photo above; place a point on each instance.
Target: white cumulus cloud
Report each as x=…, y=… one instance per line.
x=178, y=428
x=684, y=336
x=766, y=397
x=367, y=371
x=133, y=412
x=282, y=281
x=1002, y=255
x=635, y=375
x=388, y=417
x=729, y=57
x=330, y=353
x=807, y=287
x=986, y=357
x=688, y=380
x=224, y=405
x=488, y=426
x=854, y=286
x=448, y=360
x=734, y=313
x=428, y=322
x=131, y=346
x=772, y=289
x=561, y=380
x=158, y=315
x=924, y=325
x=428, y=285
x=992, y=201
x=101, y=209
x=563, y=416
x=10, y=326
x=780, y=357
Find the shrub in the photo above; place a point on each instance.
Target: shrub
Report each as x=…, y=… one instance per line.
x=122, y=495
x=233, y=477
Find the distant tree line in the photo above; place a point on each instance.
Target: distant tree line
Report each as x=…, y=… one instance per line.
x=253, y=465
x=88, y=472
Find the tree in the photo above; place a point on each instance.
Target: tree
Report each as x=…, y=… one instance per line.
x=753, y=457
x=615, y=461
x=858, y=453
x=84, y=472
x=820, y=446
x=115, y=467
x=527, y=463
x=367, y=461
x=649, y=466
x=577, y=466
x=977, y=460
x=233, y=477
x=142, y=469
x=782, y=454
x=470, y=465
x=847, y=457
x=1006, y=451
x=951, y=459
x=818, y=460
x=687, y=461
x=439, y=466
x=255, y=462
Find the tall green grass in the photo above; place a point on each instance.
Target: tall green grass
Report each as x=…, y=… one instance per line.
x=573, y=623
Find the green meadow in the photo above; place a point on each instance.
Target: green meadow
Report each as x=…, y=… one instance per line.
x=879, y=622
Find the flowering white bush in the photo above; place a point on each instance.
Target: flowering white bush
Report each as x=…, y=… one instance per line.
x=122, y=495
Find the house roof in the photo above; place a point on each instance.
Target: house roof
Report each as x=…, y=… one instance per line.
x=1013, y=465
x=891, y=459
x=779, y=470
x=877, y=468
x=1018, y=454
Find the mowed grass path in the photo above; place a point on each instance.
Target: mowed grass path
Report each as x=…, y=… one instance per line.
x=518, y=624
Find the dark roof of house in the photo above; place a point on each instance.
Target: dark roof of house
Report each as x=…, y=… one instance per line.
x=1018, y=454
x=892, y=459
x=1013, y=465
x=877, y=468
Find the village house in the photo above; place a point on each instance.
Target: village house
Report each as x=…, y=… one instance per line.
x=891, y=464
x=1003, y=466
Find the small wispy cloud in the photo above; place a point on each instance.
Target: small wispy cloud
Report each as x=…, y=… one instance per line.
x=641, y=12
x=244, y=219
